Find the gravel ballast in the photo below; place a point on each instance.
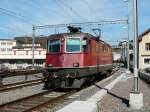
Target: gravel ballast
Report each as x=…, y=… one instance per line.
x=19, y=93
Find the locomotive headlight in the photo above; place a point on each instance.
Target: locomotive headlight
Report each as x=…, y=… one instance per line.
x=50, y=65
x=76, y=64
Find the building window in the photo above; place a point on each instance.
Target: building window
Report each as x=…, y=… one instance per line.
x=3, y=49
x=12, y=61
x=9, y=43
x=9, y=49
x=29, y=61
x=39, y=52
x=3, y=43
x=14, y=52
x=147, y=46
x=26, y=52
x=147, y=61
x=39, y=61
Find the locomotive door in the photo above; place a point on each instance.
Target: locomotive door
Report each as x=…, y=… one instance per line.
x=94, y=55
x=90, y=53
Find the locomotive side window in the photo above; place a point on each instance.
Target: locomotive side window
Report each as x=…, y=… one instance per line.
x=84, y=45
x=73, y=45
x=54, y=46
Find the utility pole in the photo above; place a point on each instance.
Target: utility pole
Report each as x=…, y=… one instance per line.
x=33, y=45
x=136, y=87
x=128, y=45
x=128, y=37
x=136, y=98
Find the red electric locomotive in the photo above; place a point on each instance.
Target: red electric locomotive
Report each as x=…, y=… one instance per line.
x=75, y=57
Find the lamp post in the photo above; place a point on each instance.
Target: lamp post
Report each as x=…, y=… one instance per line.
x=136, y=98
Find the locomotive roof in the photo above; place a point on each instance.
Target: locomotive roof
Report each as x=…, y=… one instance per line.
x=79, y=33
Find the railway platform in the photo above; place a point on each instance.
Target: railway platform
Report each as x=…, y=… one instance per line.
x=114, y=97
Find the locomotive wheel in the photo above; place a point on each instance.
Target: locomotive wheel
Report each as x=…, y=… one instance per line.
x=47, y=85
x=57, y=83
x=109, y=73
x=52, y=84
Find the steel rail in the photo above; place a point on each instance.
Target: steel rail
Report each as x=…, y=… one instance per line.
x=18, y=73
x=36, y=102
x=24, y=98
x=52, y=102
x=5, y=74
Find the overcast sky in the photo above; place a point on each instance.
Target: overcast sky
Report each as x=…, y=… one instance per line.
x=18, y=16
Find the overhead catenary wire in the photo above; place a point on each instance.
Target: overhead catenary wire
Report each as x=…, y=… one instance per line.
x=88, y=24
x=5, y=31
x=74, y=11
x=63, y=8
x=63, y=4
x=90, y=9
x=13, y=30
x=82, y=23
x=47, y=10
x=9, y=11
x=13, y=14
x=18, y=16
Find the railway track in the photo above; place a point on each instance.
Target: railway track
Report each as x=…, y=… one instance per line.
x=13, y=86
x=5, y=74
x=46, y=99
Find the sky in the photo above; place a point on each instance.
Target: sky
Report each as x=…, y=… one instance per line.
x=18, y=16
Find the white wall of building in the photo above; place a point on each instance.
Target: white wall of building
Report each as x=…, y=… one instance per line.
x=116, y=56
x=9, y=51
x=144, y=53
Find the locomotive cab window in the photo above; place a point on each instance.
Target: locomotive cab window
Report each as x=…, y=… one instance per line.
x=84, y=45
x=54, y=46
x=73, y=45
